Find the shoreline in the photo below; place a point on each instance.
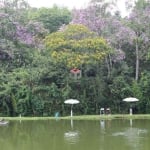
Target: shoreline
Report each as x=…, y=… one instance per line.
x=84, y=117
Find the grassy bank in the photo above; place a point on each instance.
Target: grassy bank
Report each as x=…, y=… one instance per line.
x=83, y=117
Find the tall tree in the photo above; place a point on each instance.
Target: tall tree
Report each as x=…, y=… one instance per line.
x=52, y=18
x=139, y=23
x=76, y=45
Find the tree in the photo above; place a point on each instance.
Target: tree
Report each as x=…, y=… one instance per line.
x=75, y=45
x=134, y=30
x=99, y=19
x=139, y=23
x=52, y=18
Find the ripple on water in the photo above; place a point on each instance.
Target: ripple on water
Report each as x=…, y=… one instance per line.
x=71, y=137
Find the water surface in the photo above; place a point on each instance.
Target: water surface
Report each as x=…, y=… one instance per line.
x=76, y=135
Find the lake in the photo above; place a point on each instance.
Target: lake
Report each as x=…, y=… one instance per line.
x=117, y=134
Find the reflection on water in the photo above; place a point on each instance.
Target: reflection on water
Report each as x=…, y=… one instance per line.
x=71, y=123
x=131, y=122
x=72, y=136
x=102, y=124
x=76, y=135
x=132, y=135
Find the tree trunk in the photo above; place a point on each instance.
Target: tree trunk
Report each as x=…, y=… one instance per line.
x=109, y=65
x=137, y=61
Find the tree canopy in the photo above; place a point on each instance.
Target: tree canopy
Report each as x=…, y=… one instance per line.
x=76, y=45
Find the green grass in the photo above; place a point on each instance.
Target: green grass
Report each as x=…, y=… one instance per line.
x=84, y=117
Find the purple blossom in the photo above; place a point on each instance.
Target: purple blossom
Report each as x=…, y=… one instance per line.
x=89, y=18
x=23, y=35
x=119, y=55
x=125, y=34
x=140, y=20
x=26, y=34
x=3, y=15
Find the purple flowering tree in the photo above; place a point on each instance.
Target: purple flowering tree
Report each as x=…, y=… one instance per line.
x=139, y=21
x=11, y=30
x=98, y=18
x=133, y=30
x=15, y=24
x=16, y=30
x=95, y=17
x=30, y=34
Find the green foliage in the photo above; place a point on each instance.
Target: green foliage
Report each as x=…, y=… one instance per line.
x=143, y=85
x=52, y=18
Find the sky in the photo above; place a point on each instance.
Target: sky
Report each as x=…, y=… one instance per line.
x=71, y=4
x=68, y=3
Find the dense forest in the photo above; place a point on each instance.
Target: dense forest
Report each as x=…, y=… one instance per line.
x=93, y=54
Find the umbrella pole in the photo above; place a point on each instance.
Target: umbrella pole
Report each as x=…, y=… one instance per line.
x=131, y=111
x=71, y=110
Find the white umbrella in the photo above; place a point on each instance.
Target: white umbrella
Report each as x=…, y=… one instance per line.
x=71, y=101
x=130, y=100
